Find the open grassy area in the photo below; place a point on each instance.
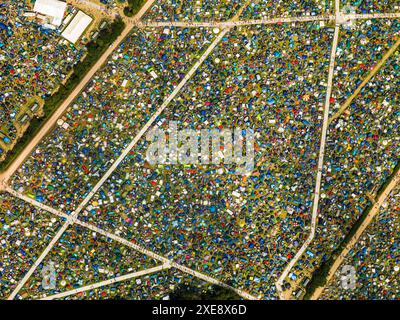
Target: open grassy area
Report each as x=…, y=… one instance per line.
x=95, y=49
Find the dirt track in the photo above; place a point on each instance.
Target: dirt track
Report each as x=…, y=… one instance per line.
x=63, y=107
x=5, y=176
x=374, y=211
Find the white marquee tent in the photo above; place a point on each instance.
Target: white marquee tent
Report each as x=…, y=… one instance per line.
x=77, y=27
x=54, y=9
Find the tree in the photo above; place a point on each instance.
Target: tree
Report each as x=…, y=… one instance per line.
x=133, y=7
x=187, y=292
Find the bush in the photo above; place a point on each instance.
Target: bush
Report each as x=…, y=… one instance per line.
x=185, y=292
x=133, y=7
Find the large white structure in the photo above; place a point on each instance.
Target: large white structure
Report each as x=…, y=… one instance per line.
x=54, y=9
x=77, y=27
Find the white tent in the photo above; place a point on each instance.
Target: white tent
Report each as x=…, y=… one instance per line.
x=77, y=27
x=54, y=9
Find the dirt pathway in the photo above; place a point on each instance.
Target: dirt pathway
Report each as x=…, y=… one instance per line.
x=374, y=71
x=374, y=211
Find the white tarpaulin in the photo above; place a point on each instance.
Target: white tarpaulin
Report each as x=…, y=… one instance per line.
x=76, y=27
x=54, y=9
